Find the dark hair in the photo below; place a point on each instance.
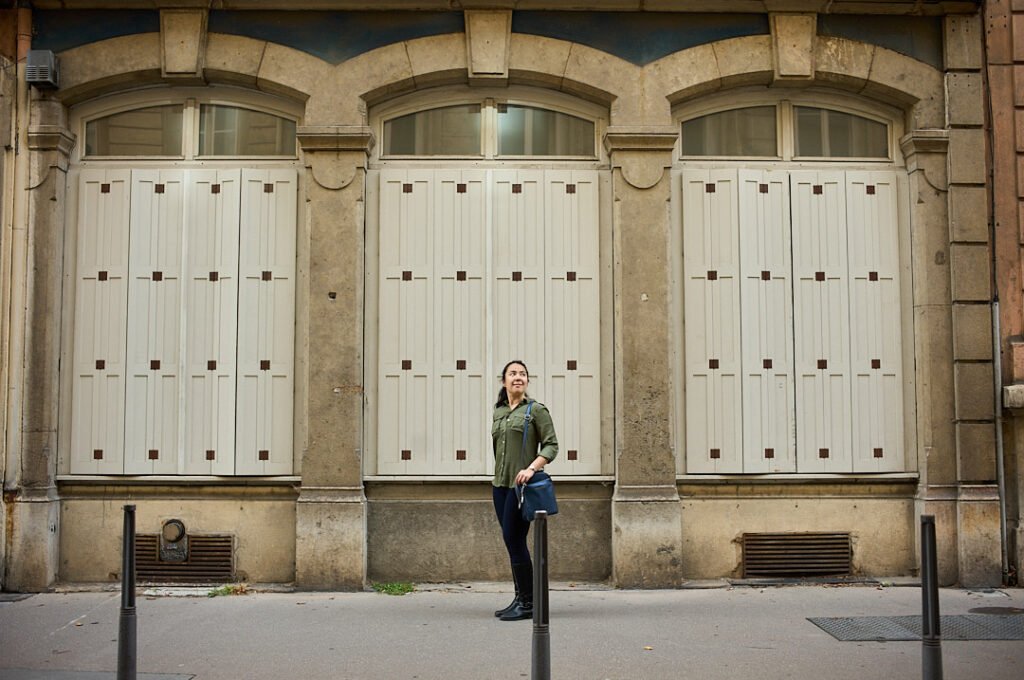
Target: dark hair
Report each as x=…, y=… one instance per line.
x=503, y=393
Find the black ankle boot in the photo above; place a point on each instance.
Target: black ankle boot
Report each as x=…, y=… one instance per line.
x=515, y=600
x=522, y=608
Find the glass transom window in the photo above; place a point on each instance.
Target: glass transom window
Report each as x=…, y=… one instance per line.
x=487, y=130
x=830, y=134
x=738, y=132
x=151, y=131
x=234, y=131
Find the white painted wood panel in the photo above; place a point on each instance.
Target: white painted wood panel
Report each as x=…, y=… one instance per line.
x=821, y=322
x=211, y=312
x=266, y=322
x=153, y=425
x=767, y=321
x=875, y=347
x=101, y=312
x=711, y=270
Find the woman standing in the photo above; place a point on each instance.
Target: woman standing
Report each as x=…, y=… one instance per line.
x=513, y=467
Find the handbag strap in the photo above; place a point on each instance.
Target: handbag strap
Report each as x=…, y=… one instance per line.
x=526, y=431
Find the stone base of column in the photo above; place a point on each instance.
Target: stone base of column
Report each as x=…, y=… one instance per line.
x=940, y=501
x=646, y=537
x=978, y=535
x=34, y=541
x=330, y=539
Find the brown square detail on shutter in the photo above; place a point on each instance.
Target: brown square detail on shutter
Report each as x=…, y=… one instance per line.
x=406, y=454
x=267, y=276
x=214, y=189
x=570, y=276
x=460, y=275
x=870, y=188
x=154, y=364
x=154, y=454
x=158, y=188
x=97, y=454
x=715, y=453
x=712, y=275
x=766, y=275
x=822, y=363
x=517, y=188
x=101, y=364
x=460, y=364
x=822, y=453
x=210, y=454
x=712, y=363
x=406, y=188
x=102, y=275
x=570, y=188
x=104, y=188
x=268, y=188
x=819, y=276
x=264, y=454
x=872, y=276
x=407, y=275
x=572, y=454
x=570, y=365
x=460, y=188
x=158, y=276
x=876, y=363
x=211, y=365
x=264, y=364
x=709, y=188
x=517, y=276
x=767, y=363
x=215, y=276
x=878, y=453
x=460, y=454
x=406, y=364
x=769, y=453
x=763, y=188
x=816, y=188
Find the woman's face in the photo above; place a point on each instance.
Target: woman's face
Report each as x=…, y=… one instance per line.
x=515, y=381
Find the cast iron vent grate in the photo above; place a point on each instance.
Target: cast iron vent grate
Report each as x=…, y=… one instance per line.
x=796, y=554
x=209, y=561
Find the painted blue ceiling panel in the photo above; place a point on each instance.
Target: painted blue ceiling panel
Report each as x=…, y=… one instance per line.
x=917, y=37
x=639, y=37
x=60, y=30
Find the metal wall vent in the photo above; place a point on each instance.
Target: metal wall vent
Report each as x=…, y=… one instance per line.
x=796, y=554
x=41, y=68
x=209, y=560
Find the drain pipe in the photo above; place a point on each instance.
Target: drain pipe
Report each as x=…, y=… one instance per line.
x=997, y=372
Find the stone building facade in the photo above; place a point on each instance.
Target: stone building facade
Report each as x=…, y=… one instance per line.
x=261, y=268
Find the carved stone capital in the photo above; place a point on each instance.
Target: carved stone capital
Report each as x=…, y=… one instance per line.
x=335, y=153
x=52, y=145
x=633, y=150
x=925, y=151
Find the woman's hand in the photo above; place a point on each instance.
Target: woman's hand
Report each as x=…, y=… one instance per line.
x=524, y=476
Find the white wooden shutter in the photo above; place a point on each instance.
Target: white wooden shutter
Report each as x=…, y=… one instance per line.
x=875, y=354
x=767, y=322
x=211, y=309
x=518, y=274
x=406, y=355
x=458, y=408
x=152, y=423
x=101, y=309
x=572, y=319
x=821, y=322
x=711, y=269
x=266, y=322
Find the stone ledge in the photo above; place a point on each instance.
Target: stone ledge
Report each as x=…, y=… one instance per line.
x=1013, y=395
x=335, y=138
x=640, y=138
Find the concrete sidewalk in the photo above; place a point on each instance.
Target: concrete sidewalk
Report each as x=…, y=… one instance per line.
x=451, y=633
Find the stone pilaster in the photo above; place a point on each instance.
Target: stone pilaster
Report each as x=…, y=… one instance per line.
x=330, y=550
x=646, y=520
x=35, y=511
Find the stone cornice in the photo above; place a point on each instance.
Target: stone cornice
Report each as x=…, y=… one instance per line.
x=924, y=141
x=51, y=138
x=640, y=138
x=335, y=138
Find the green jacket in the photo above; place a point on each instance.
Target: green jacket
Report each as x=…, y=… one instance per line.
x=507, y=435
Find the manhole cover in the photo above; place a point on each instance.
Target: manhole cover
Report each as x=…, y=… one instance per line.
x=908, y=628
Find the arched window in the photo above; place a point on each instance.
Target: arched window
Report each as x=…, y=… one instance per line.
x=490, y=127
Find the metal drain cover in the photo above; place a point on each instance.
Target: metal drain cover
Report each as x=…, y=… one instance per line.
x=908, y=628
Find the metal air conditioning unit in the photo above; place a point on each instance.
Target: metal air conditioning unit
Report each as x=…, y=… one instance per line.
x=41, y=68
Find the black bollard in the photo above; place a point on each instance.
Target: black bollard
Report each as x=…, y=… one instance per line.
x=931, y=636
x=541, y=636
x=126, y=642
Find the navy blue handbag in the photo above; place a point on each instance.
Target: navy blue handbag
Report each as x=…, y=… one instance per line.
x=539, y=492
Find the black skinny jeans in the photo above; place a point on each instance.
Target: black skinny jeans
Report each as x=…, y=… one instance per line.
x=513, y=527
